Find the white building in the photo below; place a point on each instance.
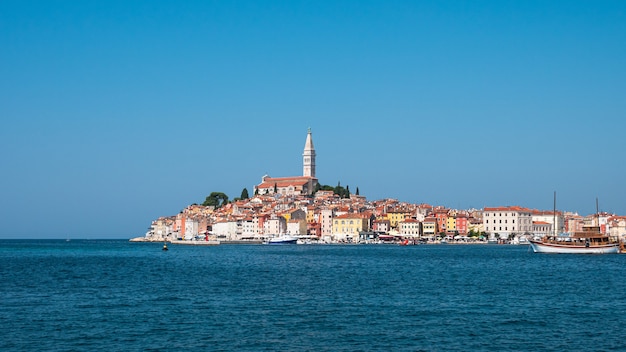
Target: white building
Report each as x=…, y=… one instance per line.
x=542, y=228
x=409, y=227
x=617, y=227
x=383, y=226
x=248, y=228
x=275, y=226
x=161, y=228
x=549, y=217
x=507, y=220
x=225, y=230
x=296, y=227
x=326, y=222
x=191, y=229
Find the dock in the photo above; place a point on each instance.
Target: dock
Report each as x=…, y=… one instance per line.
x=196, y=243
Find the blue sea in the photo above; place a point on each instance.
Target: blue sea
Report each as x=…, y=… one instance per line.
x=111, y=295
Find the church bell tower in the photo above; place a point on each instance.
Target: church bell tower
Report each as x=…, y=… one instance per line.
x=308, y=157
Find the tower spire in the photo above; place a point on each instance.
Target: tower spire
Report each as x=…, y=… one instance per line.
x=308, y=157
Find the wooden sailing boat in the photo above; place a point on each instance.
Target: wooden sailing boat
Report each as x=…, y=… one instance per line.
x=589, y=240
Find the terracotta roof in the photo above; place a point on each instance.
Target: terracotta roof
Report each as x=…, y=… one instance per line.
x=281, y=184
x=291, y=178
x=350, y=216
x=512, y=208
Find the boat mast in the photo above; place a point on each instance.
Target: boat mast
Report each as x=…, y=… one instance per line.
x=554, y=216
x=597, y=215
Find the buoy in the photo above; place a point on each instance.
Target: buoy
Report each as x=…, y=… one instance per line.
x=165, y=246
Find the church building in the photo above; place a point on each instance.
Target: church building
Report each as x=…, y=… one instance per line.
x=295, y=185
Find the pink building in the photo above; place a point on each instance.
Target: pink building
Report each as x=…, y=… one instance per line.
x=461, y=224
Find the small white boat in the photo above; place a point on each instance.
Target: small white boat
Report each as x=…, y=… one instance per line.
x=284, y=239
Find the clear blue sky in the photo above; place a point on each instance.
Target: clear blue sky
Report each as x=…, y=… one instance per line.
x=117, y=112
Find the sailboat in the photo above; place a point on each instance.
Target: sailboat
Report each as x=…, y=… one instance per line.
x=590, y=240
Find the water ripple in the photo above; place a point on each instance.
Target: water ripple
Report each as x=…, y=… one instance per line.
x=112, y=295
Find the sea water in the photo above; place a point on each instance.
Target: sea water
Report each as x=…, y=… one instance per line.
x=86, y=295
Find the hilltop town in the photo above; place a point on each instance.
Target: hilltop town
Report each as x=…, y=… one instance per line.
x=298, y=206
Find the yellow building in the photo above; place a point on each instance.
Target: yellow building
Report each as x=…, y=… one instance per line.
x=395, y=217
x=349, y=224
x=451, y=224
x=429, y=227
x=310, y=214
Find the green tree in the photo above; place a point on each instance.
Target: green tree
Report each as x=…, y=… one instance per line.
x=216, y=199
x=338, y=190
x=357, y=191
x=341, y=192
x=244, y=194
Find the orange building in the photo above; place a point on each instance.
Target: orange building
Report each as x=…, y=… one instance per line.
x=441, y=215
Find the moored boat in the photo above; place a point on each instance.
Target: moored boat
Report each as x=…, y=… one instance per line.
x=591, y=240
x=284, y=239
x=578, y=243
